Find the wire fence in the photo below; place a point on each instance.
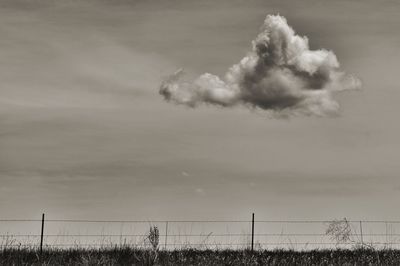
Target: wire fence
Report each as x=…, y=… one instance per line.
x=199, y=234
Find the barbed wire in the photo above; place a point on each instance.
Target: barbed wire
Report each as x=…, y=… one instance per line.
x=191, y=239
x=194, y=221
x=192, y=244
x=185, y=235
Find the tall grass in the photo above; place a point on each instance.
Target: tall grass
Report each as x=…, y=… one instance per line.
x=130, y=256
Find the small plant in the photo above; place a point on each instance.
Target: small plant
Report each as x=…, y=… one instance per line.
x=339, y=231
x=154, y=237
x=150, y=257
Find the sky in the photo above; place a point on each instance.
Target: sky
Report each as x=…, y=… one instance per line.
x=84, y=133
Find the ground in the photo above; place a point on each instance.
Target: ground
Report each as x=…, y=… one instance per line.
x=130, y=256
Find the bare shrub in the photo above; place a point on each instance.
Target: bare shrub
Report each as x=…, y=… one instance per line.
x=154, y=237
x=339, y=231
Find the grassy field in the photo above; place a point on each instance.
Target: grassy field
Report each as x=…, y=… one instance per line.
x=129, y=256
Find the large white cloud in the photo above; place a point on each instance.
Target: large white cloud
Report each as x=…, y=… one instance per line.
x=280, y=74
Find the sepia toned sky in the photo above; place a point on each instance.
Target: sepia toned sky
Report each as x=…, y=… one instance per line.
x=84, y=133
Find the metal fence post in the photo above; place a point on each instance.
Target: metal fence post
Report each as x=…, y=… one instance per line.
x=252, y=232
x=41, y=236
x=361, y=234
x=166, y=234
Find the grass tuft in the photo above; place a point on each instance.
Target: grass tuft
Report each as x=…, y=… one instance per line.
x=132, y=256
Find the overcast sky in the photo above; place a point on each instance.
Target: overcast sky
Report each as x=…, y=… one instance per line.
x=85, y=134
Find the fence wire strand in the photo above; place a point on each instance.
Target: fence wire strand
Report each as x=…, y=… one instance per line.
x=193, y=239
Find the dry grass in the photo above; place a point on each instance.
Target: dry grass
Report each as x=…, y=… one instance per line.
x=131, y=256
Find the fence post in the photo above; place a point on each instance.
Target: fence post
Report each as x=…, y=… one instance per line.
x=166, y=234
x=41, y=236
x=252, y=232
x=361, y=234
